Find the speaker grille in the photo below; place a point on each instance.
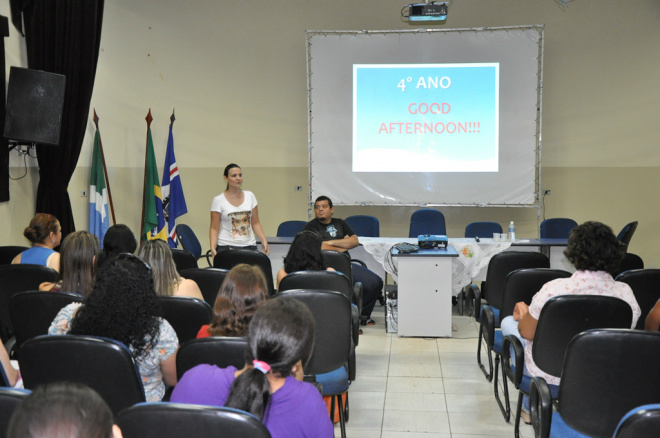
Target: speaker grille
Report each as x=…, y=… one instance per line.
x=34, y=106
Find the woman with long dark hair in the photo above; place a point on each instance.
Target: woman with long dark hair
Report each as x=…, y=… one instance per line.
x=117, y=240
x=123, y=306
x=79, y=254
x=281, y=335
x=241, y=293
x=304, y=255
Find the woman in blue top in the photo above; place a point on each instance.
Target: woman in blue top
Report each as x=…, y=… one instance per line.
x=45, y=233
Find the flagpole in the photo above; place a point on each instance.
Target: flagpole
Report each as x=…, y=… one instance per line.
x=146, y=157
x=105, y=170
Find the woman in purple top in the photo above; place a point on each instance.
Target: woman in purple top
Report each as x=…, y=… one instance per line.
x=280, y=335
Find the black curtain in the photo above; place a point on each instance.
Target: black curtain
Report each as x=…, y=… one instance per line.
x=63, y=36
x=4, y=145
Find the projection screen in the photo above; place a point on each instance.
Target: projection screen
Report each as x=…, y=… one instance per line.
x=426, y=117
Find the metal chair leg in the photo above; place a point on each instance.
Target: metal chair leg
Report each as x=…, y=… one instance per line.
x=506, y=407
x=488, y=374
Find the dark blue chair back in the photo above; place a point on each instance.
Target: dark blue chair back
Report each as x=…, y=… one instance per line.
x=427, y=221
x=364, y=225
x=626, y=233
x=482, y=229
x=189, y=241
x=174, y=420
x=557, y=228
x=290, y=228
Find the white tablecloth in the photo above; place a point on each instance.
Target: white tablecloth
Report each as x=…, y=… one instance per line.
x=472, y=256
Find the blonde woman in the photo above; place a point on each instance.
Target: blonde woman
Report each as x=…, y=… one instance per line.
x=167, y=280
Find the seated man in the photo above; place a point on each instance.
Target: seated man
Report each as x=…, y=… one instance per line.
x=338, y=236
x=595, y=252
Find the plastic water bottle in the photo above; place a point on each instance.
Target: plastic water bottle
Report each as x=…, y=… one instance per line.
x=512, y=231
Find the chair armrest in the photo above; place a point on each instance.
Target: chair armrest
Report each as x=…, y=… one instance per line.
x=540, y=406
x=512, y=343
x=358, y=292
x=359, y=262
x=488, y=326
x=475, y=293
x=355, y=324
x=209, y=259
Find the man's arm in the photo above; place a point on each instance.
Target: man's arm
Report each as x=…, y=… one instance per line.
x=348, y=242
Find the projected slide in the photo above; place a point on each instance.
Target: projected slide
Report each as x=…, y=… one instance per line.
x=426, y=117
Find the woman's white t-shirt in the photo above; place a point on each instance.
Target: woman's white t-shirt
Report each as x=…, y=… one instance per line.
x=235, y=222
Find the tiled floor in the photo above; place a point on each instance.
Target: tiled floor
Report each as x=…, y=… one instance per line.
x=423, y=388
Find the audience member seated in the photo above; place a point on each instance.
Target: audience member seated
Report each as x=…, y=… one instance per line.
x=167, y=280
x=45, y=234
x=280, y=338
x=13, y=376
x=117, y=240
x=652, y=322
x=123, y=306
x=338, y=236
x=241, y=293
x=79, y=253
x=63, y=410
x=595, y=252
x=304, y=255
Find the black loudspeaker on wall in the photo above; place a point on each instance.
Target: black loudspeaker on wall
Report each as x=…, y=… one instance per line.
x=34, y=106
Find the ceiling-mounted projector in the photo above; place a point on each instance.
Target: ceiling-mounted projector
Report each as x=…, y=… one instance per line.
x=432, y=11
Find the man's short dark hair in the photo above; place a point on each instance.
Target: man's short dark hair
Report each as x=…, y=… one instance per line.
x=592, y=246
x=324, y=198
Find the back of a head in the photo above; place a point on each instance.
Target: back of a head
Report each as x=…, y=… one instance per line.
x=281, y=333
x=243, y=290
x=41, y=225
x=62, y=410
x=122, y=306
x=305, y=253
x=158, y=255
x=592, y=246
x=118, y=239
x=79, y=253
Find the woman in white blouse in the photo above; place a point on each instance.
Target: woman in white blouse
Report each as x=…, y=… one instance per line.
x=235, y=217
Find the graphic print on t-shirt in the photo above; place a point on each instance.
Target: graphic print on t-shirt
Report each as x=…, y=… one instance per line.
x=332, y=231
x=241, y=226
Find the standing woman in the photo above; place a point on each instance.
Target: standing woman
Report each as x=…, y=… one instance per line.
x=234, y=217
x=45, y=233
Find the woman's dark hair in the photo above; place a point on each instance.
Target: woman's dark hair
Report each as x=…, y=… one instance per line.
x=62, y=410
x=118, y=239
x=305, y=253
x=122, y=306
x=242, y=291
x=281, y=333
x=79, y=253
x=592, y=246
x=41, y=225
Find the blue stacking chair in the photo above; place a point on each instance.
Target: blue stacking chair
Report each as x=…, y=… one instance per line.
x=642, y=421
x=482, y=229
x=605, y=374
x=170, y=420
x=561, y=319
x=190, y=243
x=557, y=228
x=364, y=225
x=626, y=233
x=290, y=228
x=427, y=221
